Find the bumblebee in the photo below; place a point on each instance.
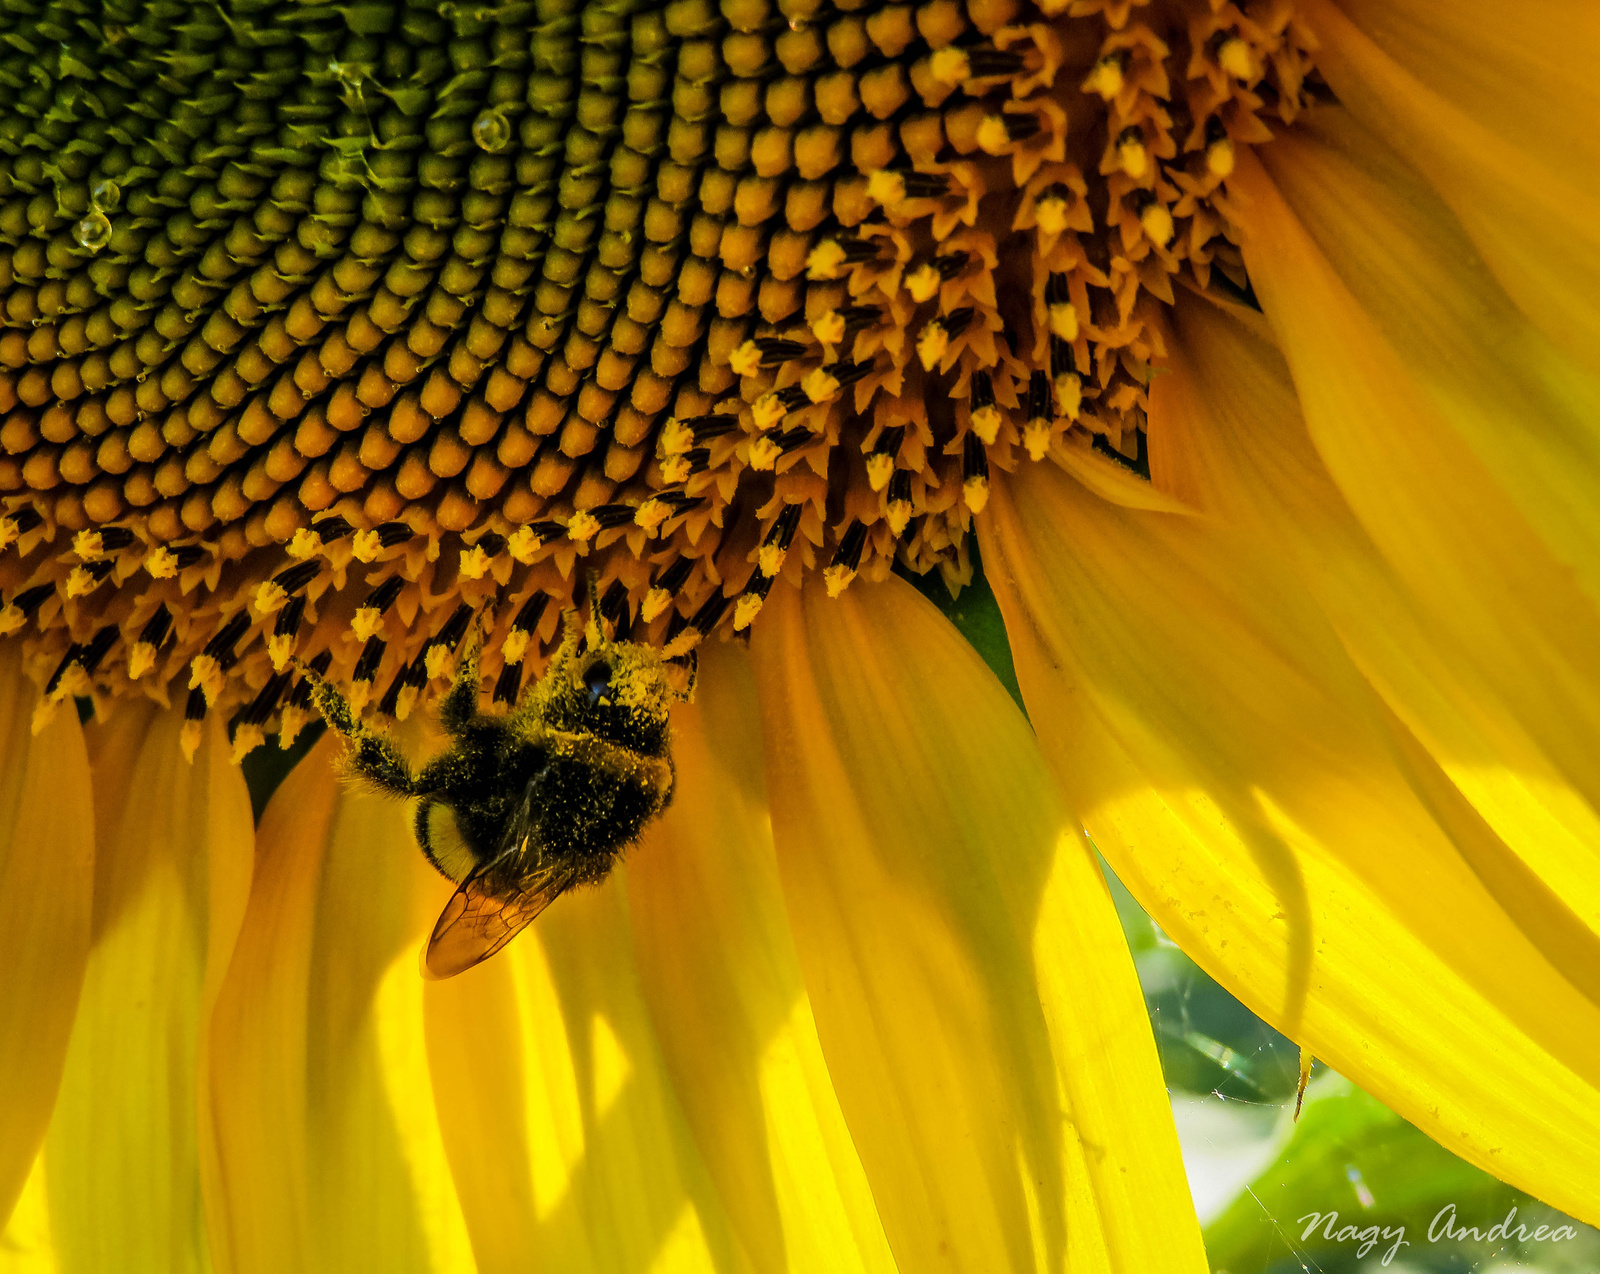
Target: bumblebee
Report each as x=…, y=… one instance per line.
x=523, y=807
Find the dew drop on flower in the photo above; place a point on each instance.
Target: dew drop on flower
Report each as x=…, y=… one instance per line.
x=93, y=232
x=492, y=131
x=107, y=195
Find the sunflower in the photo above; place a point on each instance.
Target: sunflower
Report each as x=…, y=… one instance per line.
x=851, y=1006
x=1253, y=345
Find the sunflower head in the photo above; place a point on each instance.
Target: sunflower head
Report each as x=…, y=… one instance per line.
x=324, y=335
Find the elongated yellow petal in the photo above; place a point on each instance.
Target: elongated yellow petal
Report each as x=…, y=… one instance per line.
x=328, y=1151
x=173, y=875
x=563, y=1131
x=1210, y=729
x=1523, y=73
x=1471, y=461
x=972, y=989
x=1231, y=439
x=719, y=971
x=46, y=895
x=478, y=1061
x=1479, y=570
x=1501, y=124
x=114, y=746
x=26, y=1245
x=1525, y=411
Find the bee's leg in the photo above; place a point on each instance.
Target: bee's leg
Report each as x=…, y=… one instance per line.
x=460, y=703
x=567, y=651
x=526, y=713
x=691, y=662
x=595, y=630
x=370, y=755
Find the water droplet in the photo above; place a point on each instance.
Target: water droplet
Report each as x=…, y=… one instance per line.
x=492, y=131
x=797, y=24
x=107, y=195
x=93, y=232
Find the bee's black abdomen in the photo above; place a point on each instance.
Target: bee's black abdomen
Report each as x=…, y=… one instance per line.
x=483, y=779
x=588, y=813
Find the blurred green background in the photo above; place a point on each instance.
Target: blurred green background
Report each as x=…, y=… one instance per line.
x=1257, y=1176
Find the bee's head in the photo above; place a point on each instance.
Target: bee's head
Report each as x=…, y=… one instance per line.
x=618, y=690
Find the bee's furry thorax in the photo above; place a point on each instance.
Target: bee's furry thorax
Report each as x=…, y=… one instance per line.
x=522, y=807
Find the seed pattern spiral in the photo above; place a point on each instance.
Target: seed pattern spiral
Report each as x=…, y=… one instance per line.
x=324, y=327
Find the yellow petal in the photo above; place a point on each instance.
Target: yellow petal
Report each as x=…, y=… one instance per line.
x=563, y=1132
x=328, y=1154
x=172, y=877
x=1479, y=570
x=1523, y=74
x=1501, y=124
x=720, y=974
x=1113, y=481
x=26, y=1245
x=1207, y=725
x=1228, y=436
x=972, y=990
x=1521, y=407
x=46, y=896
x=114, y=745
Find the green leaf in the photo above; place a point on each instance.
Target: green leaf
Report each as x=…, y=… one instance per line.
x=1353, y=1157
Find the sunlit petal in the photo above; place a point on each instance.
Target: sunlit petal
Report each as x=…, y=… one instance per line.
x=1478, y=569
x=564, y=1134
x=1210, y=729
x=1232, y=440
x=26, y=1244
x=719, y=971
x=1530, y=204
x=972, y=989
x=328, y=1149
x=46, y=896
x=171, y=881
x=1527, y=412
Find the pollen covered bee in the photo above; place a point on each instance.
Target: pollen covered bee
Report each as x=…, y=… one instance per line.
x=523, y=807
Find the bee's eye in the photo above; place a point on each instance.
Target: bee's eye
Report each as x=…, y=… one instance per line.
x=598, y=681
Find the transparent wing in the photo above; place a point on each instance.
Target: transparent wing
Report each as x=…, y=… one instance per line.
x=483, y=914
x=476, y=922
